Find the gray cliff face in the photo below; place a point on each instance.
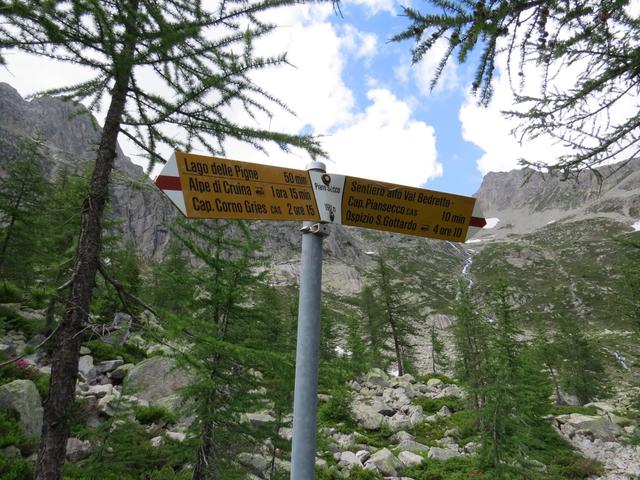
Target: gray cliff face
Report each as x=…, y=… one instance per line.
x=526, y=201
x=70, y=135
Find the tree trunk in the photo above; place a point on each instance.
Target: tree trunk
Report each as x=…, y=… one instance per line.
x=7, y=236
x=204, y=453
x=64, y=363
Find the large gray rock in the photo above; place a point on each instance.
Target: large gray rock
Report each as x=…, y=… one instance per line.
x=22, y=397
x=437, y=453
x=255, y=462
x=385, y=462
x=398, y=422
x=87, y=368
x=77, y=449
x=413, y=446
x=367, y=416
x=600, y=427
x=377, y=377
x=409, y=458
x=156, y=379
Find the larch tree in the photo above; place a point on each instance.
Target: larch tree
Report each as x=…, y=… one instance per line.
x=173, y=73
x=597, y=41
x=397, y=311
x=22, y=192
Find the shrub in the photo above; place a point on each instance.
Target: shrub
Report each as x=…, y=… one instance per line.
x=105, y=351
x=338, y=408
x=12, y=320
x=15, y=469
x=9, y=293
x=42, y=384
x=38, y=296
x=432, y=405
x=153, y=414
x=12, y=434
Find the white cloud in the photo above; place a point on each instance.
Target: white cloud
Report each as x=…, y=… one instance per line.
x=425, y=70
x=385, y=143
x=360, y=44
x=376, y=6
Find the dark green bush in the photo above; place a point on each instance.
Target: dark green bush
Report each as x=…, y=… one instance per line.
x=12, y=320
x=432, y=405
x=105, y=351
x=15, y=469
x=338, y=408
x=153, y=414
x=9, y=292
x=11, y=433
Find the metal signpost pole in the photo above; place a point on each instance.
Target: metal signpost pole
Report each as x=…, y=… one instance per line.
x=305, y=400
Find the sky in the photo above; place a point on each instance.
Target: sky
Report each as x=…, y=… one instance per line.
x=373, y=109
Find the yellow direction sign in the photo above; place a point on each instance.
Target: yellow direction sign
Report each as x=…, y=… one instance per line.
x=412, y=211
x=211, y=187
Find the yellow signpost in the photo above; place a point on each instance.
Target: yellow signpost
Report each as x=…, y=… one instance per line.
x=212, y=187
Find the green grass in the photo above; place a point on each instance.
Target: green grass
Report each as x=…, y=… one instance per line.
x=101, y=351
x=568, y=409
x=153, y=414
x=433, y=405
x=15, y=469
x=13, y=434
x=10, y=319
x=9, y=292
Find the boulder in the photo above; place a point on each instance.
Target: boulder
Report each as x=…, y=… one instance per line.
x=349, y=459
x=363, y=455
x=409, y=458
x=451, y=391
x=413, y=446
x=155, y=379
x=600, y=427
x=444, y=412
x=344, y=441
x=437, y=453
x=286, y=433
x=435, y=383
x=120, y=372
x=86, y=368
x=367, y=416
x=385, y=462
x=22, y=397
x=401, y=437
x=99, y=391
x=398, y=422
x=176, y=436
x=108, y=366
x=377, y=377
x=77, y=449
x=258, y=419
x=255, y=462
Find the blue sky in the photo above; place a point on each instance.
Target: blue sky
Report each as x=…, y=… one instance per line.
x=373, y=109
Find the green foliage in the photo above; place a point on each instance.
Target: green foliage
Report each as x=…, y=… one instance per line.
x=396, y=311
x=153, y=414
x=460, y=468
x=42, y=384
x=10, y=319
x=582, y=371
x=9, y=292
x=22, y=192
x=568, y=409
x=541, y=39
x=106, y=351
x=13, y=434
x=338, y=408
x=125, y=453
x=15, y=469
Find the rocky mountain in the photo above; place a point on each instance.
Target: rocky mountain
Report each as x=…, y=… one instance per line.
x=524, y=201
